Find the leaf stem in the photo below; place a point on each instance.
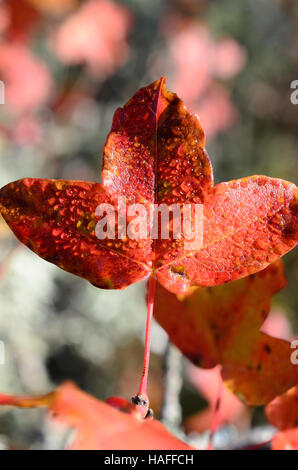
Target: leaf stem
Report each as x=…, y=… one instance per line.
x=150, y=303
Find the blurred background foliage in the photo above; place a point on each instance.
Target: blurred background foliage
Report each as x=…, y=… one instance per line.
x=67, y=65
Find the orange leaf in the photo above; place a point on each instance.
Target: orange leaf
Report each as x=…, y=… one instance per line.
x=282, y=412
x=99, y=425
x=220, y=325
x=285, y=440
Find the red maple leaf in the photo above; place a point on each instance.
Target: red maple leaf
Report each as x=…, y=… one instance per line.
x=155, y=154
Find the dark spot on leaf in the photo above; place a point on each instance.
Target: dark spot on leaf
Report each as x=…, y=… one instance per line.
x=179, y=270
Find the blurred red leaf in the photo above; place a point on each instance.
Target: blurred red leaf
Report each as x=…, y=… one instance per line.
x=231, y=409
x=197, y=54
x=99, y=425
x=4, y=18
x=17, y=67
x=220, y=325
x=285, y=440
x=22, y=19
x=282, y=413
x=155, y=154
x=191, y=52
x=217, y=111
x=95, y=35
